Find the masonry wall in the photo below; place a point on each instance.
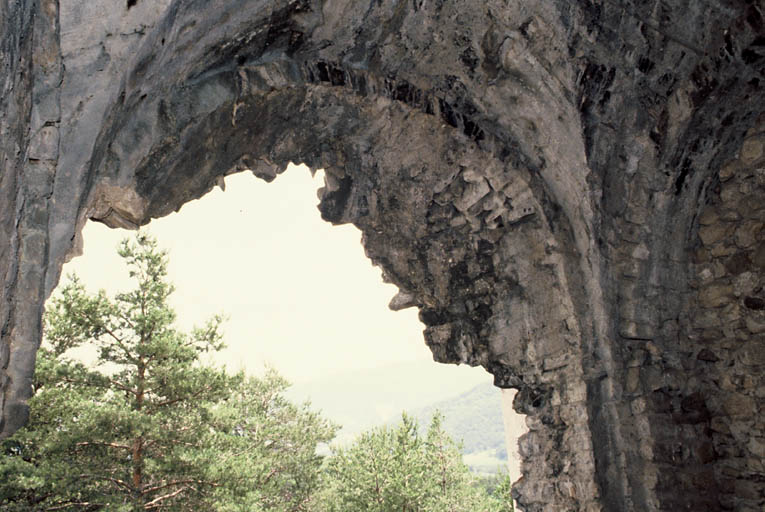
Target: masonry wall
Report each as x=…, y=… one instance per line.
x=719, y=403
x=571, y=193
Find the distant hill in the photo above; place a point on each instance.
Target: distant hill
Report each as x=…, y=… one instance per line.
x=466, y=397
x=474, y=418
x=364, y=399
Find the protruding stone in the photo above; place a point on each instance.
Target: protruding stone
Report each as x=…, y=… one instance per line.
x=402, y=300
x=474, y=192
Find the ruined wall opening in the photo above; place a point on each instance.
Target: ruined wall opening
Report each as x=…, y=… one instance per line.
x=475, y=226
x=529, y=173
x=301, y=296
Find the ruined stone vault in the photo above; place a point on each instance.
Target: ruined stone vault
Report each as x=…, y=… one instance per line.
x=571, y=192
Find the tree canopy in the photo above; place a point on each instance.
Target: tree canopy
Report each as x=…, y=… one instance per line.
x=150, y=427
x=398, y=469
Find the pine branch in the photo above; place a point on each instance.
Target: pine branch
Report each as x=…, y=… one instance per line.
x=157, y=502
x=165, y=485
x=74, y=504
x=111, y=445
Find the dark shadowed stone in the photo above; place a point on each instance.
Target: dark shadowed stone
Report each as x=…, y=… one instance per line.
x=755, y=303
x=738, y=263
x=707, y=355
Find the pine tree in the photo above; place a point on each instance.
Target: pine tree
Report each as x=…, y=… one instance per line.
x=150, y=427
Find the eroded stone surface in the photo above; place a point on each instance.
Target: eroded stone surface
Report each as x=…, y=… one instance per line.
x=570, y=192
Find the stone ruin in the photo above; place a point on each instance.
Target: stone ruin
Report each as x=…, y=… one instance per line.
x=571, y=192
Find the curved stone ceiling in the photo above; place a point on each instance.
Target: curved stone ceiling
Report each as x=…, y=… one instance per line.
x=531, y=175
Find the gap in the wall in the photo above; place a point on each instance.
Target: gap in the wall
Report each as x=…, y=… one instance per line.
x=299, y=293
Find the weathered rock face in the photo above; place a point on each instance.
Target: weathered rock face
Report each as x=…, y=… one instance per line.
x=570, y=192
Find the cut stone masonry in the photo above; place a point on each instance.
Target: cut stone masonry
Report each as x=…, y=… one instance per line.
x=571, y=193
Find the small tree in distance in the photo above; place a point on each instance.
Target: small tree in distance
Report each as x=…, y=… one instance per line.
x=399, y=470
x=150, y=427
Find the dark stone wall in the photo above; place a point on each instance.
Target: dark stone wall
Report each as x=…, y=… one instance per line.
x=29, y=110
x=550, y=183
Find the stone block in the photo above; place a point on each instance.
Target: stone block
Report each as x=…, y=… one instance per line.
x=752, y=206
x=730, y=316
x=554, y=362
x=628, y=329
x=738, y=263
x=730, y=194
x=728, y=171
x=706, y=319
x=755, y=326
x=747, y=489
x=751, y=150
x=738, y=405
x=709, y=217
x=758, y=257
x=474, y=192
x=748, y=233
x=576, y=391
x=640, y=252
x=715, y=296
x=702, y=255
x=630, y=268
x=728, y=383
x=44, y=145
x=637, y=215
x=756, y=447
x=753, y=354
x=707, y=355
x=720, y=424
x=632, y=384
x=714, y=233
x=721, y=249
x=760, y=391
x=730, y=215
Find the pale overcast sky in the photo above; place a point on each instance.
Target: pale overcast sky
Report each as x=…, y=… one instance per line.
x=300, y=293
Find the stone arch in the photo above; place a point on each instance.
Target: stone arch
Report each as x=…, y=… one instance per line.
x=473, y=237
x=529, y=174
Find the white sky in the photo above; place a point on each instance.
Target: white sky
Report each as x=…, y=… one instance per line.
x=300, y=294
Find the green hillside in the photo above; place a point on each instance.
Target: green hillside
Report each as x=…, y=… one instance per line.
x=474, y=418
x=360, y=401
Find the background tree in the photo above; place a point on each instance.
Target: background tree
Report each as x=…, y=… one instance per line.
x=397, y=469
x=150, y=427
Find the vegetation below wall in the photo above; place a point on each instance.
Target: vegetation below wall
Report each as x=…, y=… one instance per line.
x=151, y=427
